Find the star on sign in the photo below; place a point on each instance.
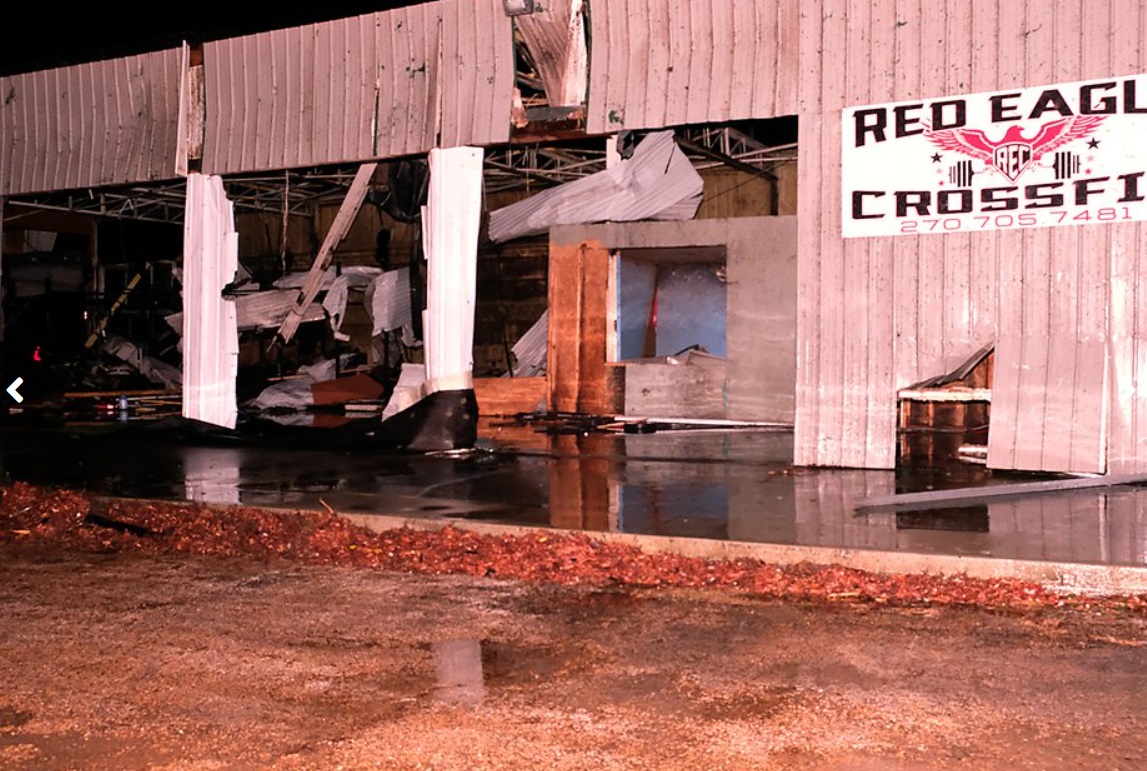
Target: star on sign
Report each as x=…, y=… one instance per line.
x=936, y=158
x=1093, y=143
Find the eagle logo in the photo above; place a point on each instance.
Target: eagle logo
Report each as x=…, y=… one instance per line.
x=1014, y=154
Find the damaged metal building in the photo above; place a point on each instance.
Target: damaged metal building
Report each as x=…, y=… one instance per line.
x=932, y=214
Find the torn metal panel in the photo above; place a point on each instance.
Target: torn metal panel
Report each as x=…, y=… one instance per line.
x=411, y=388
x=210, y=328
x=657, y=182
x=296, y=392
x=359, y=277
x=555, y=37
x=452, y=219
x=657, y=63
x=334, y=303
x=261, y=310
x=153, y=369
x=531, y=349
x=338, y=231
x=338, y=91
x=102, y=123
x=387, y=301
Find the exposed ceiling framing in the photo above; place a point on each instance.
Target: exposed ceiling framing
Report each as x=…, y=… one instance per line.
x=511, y=167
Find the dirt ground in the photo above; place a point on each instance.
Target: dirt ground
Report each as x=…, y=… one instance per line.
x=130, y=661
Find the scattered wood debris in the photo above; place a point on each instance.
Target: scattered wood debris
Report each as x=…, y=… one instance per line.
x=64, y=519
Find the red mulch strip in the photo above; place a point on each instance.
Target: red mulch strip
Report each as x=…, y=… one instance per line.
x=64, y=519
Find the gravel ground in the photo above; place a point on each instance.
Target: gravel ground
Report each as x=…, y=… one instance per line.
x=132, y=660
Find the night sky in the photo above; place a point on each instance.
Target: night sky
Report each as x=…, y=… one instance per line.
x=47, y=35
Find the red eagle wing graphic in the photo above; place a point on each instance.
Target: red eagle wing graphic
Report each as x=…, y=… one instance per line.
x=1059, y=132
x=971, y=142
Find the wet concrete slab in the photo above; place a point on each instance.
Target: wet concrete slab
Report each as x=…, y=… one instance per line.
x=712, y=486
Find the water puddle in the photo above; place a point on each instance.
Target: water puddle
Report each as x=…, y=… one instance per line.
x=459, y=677
x=735, y=485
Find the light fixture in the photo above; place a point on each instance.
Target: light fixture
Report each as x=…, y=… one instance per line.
x=518, y=7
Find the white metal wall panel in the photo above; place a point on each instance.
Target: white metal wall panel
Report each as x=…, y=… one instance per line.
x=1127, y=245
x=103, y=123
x=477, y=75
x=657, y=63
x=879, y=314
x=210, y=326
x=346, y=90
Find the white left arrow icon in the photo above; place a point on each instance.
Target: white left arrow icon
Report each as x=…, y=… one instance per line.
x=12, y=389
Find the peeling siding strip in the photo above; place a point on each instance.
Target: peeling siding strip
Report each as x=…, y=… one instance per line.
x=103, y=123
x=657, y=63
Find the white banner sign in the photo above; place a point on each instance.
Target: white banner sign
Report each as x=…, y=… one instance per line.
x=1070, y=154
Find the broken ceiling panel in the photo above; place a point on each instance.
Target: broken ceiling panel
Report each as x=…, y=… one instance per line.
x=657, y=182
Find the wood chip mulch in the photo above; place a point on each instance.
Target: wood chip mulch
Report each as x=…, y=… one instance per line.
x=49, y=518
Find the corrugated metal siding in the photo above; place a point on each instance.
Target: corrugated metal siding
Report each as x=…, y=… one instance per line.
x=104, y=123
x=477, y=73
x=878, y=314
x=657, y=63
x=345, y=90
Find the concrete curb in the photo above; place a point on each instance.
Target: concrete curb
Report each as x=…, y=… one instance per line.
x=1064, y=577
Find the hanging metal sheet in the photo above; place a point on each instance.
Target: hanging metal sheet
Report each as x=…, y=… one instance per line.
x=451, y=221
x=210, y=327
x=657, y=63
x=877, y=314
x=104, y=123
x=340, y=91
x=658, y=182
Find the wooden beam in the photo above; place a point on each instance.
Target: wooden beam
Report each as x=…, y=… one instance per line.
x=338, y=231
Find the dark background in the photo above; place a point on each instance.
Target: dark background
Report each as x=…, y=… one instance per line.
x=47, y=35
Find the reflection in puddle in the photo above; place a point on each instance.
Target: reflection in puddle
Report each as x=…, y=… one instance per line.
x=459, y=672
x=717, y=485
